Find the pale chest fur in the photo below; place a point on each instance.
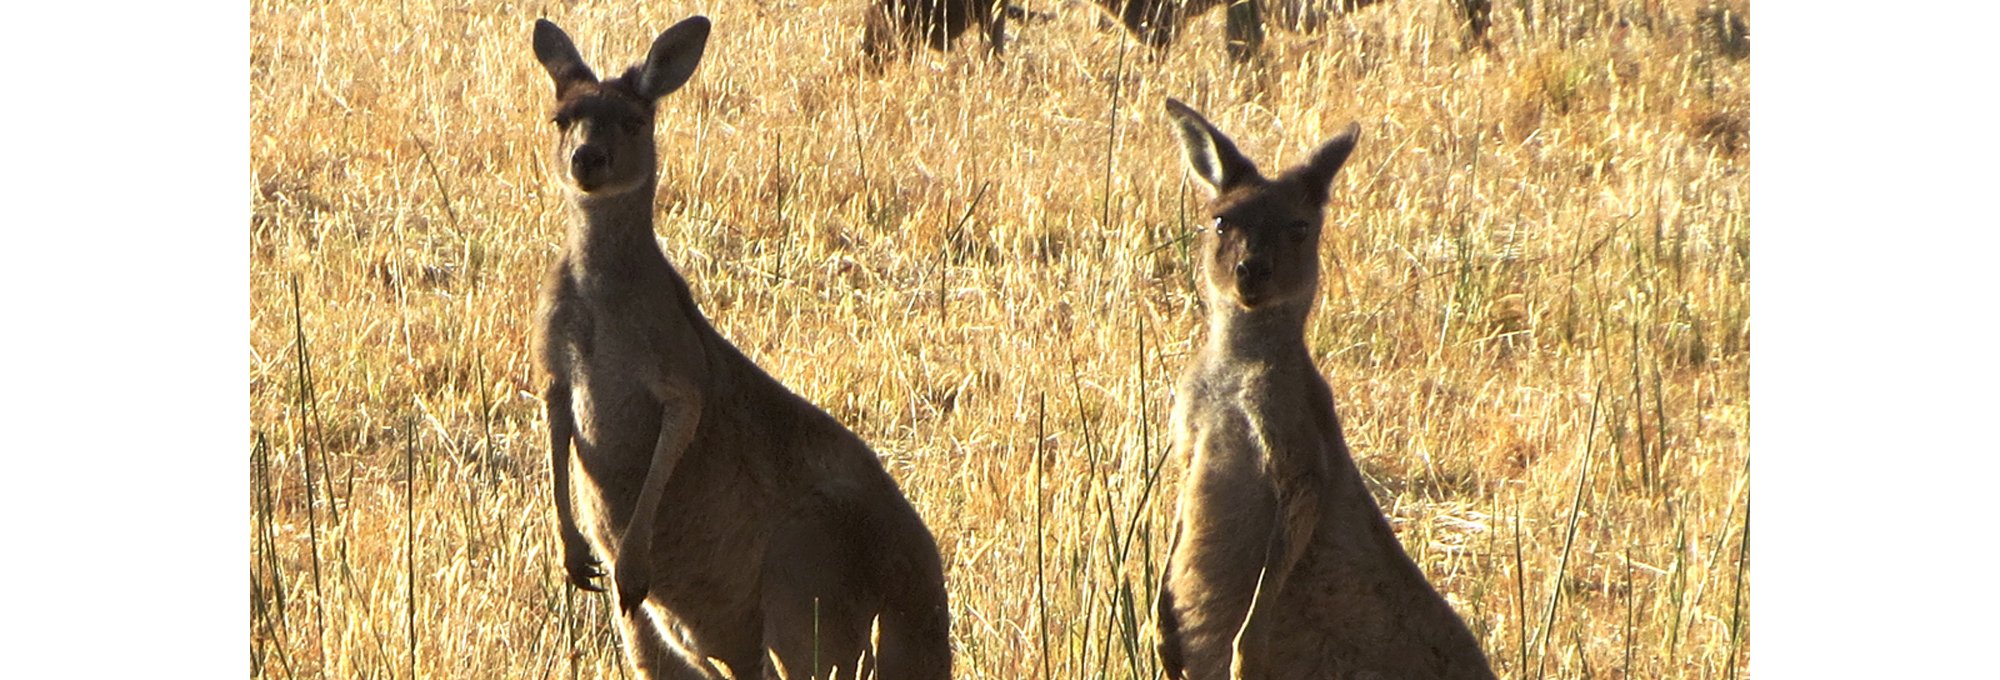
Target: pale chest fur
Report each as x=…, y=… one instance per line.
x=1251, y=445
x=1244, y=423
x=610, y=364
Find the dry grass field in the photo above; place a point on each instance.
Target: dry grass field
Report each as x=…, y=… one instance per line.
x=1534, y=313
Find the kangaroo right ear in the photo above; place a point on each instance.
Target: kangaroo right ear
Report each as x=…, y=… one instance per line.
x=559, y=56
x=1318, y=172
x=673, y=57
x=1209, y=153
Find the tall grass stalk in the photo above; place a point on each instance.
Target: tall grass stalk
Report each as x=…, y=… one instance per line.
x=410, y=537
x=1041, y=533
x=305, y=411
x=1556, y=584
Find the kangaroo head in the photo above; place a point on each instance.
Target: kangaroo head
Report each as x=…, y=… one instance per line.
x=607, y=126
x=1261, y=245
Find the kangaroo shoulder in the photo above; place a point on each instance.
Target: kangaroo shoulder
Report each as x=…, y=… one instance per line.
x=562, y=322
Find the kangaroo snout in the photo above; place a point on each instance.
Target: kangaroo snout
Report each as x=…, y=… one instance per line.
x=588, y=165
x=1251, y=271
x=1253, y=280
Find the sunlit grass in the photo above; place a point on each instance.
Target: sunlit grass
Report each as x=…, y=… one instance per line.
x=1535, y=313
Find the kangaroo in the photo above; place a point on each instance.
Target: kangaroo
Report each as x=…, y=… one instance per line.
x=1156, y=22
x=893, y=25
x=1281, y=565
x=747, y=532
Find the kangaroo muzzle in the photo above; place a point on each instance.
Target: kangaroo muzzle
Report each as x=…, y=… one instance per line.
x=588, y=166
x=1253, y=279
x=1251, y=272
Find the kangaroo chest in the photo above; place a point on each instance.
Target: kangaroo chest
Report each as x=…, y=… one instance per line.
x=1251, y=444
x=620, y=342
x=1251, y=427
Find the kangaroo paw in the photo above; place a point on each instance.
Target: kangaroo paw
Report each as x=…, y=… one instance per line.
x=633, y=582
x=583, y=567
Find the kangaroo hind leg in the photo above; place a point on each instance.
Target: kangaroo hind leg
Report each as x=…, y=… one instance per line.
x=818, y=608
x=647, y=649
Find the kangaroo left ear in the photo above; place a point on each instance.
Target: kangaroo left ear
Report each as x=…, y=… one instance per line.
x=1208, y=152
x=560, y=58
x=1317, y=174
x=673, y=57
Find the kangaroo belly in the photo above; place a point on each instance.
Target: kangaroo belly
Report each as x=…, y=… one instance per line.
x=1228, y=510
x=1339, y=620
x=711, y=531
x=1363, y=607
x=710, y=534
x=617, y=426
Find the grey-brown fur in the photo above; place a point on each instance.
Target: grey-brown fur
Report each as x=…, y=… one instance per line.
x=1282, y=565
x=740, y=522
x=1157, y=22
x=893, y=25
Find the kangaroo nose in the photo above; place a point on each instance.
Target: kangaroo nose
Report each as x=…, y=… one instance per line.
x=1248, y=269
x=585, y=160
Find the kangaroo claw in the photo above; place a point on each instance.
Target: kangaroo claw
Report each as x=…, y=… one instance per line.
x=585, y=575
x=582, y=567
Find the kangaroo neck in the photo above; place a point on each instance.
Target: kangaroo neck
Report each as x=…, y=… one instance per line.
x=1273, y=334
x=614, y=234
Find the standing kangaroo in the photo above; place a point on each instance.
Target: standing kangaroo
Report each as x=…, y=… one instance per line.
x=742, y=524
x=1282, y=566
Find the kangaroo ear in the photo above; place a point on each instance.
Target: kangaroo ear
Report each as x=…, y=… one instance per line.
x=559, y=56
x=674, y=55
x=1209, y=153
x=1317, y=174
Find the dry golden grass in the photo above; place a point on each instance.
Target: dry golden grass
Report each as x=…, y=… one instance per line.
x=1535, y=316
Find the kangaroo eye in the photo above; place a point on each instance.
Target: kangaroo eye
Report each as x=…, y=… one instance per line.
x=1216, y=226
